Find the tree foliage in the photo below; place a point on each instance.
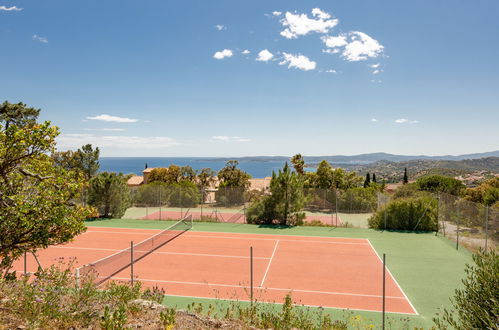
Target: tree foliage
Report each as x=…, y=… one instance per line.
x=328, y=178
x=232, y=184
x=284, y=204
x=439, y=183
x=413, y=214
x=405, y=180
x=85, y=160
x=476, y=305
x=18, y=114
x=487, y=193
x=298, y=164
x=168, y=175
x=109, y=193
x=37, y=199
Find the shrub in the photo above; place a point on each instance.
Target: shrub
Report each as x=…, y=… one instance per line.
x=414, y=214
x=184, y=194
x=476, y=304
x=440, y=183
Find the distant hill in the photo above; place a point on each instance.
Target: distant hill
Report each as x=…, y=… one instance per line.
x=363, y=158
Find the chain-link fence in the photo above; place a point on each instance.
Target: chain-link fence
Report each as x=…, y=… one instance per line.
x=228, y=204
x=468, y=224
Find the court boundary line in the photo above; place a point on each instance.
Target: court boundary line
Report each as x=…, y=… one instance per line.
x=163, y=252
x=296, y=304
x=263, y=288
x=268, y=265
x=259, y=239
x=394, y=279
x=239, y=233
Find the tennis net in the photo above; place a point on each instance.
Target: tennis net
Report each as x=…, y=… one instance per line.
x=107, y=267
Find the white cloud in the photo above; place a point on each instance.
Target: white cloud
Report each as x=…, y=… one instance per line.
x=13, y=8
x=71, y=141
x=361, y=47
x=245, y=52
x=374, y=66
x=376, y=71
x=333, y=42
x=321, y=14
x=331, y=51
x=220, y=27
x=406, y=121
x=226, y=138
x=276, y=13
x=114, y=119
x=330, y=71
x=105, y=129
x=298, y=61
x=264, y=56
x=300, y=24
x=374, y=120
x=40, y=39
x=223, y=54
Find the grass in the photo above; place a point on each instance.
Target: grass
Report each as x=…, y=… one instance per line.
x=428, y=268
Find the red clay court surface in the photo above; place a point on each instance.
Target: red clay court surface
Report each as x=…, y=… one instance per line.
x=231, y=217
x=330, y=272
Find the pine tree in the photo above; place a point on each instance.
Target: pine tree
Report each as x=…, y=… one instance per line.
x=146, y=165
x=374, y=177
x=367, y=182
x=406, y=178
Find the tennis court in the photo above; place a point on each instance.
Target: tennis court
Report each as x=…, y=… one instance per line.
x=331, y=272
x=237, y=216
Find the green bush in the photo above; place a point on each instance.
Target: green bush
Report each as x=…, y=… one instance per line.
x=439, y=183
x=184, y=194
x=152, y=194
x=476, y=305
x=414, y=214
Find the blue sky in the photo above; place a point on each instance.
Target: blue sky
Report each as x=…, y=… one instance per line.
x=173, y=78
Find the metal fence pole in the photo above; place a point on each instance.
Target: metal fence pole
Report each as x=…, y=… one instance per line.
x=384, y=289
x=251, y=275
x=160, y=202
x=457, y=231
x=438, y=222
x=486, y=226
x=77, y=277
x=25, y=264
x=336, y=205
x=131, y=262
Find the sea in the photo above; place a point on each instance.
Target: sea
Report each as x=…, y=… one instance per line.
x=135, y=165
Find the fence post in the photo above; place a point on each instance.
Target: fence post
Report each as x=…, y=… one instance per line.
x=77, y=277
x=160, y=202
x=336, y=205
x=131, y=262
x=457, y=231
x=25, y=264
x=486, y=225
x=251, y=276
x=438, y=222
x=384, y=289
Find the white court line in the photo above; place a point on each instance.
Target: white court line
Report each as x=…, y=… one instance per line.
x=243, y=238
x=393, y=278
x=264, y=289
x=298, y=304
x=237, y=233
x=160, y=252
x=270, y=261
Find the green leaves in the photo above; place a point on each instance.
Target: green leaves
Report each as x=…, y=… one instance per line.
x=109, y=193
x=476, y=305
x=37, y=199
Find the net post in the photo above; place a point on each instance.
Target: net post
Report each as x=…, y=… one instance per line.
x=77, y=277
x=384, y=289
x=131, y=262
x=25, y=264
x=251, y=275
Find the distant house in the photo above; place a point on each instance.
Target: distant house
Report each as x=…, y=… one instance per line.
x=138, y=180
